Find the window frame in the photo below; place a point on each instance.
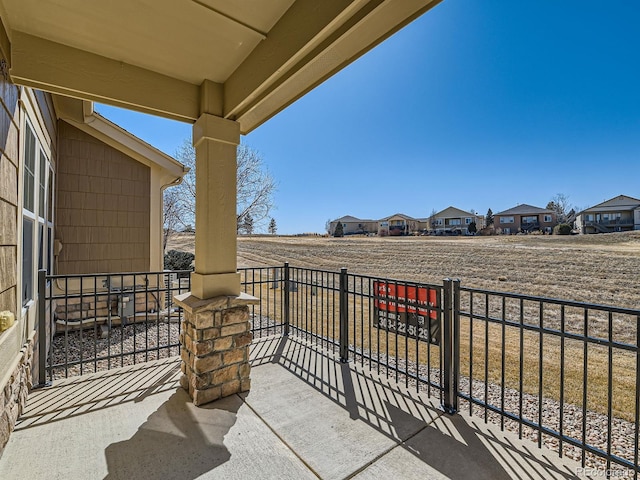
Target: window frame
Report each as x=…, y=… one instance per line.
x=37, y=246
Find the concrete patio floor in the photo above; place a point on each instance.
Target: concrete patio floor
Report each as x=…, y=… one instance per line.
x=307, y=416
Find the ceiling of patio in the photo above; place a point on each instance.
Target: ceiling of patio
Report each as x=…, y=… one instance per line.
x=242, y=60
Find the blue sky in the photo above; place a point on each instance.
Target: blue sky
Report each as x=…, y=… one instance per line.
x=477, y=104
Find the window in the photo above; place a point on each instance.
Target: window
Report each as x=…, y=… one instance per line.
x=29, y=169
x=506, y=219
x=467, y=220
x=27, y=260
x=548, y=218
x=530, y=219
x=454, y=221
x=37, y=213
x=438, y=221
x=589, y=217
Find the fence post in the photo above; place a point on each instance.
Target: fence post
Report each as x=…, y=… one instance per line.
x=456, y=342
x=286, y=299
x=42, y=329
x=344, y=316
x=449, y=373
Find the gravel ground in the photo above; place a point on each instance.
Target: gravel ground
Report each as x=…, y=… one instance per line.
x=86, y=352
x=127, y=346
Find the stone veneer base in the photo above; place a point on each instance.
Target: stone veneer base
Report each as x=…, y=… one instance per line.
x=215, y=339
x=13, y=395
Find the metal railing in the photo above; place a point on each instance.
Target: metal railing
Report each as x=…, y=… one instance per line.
x=393, y=333
x=565, y=374
x=266, y=283
x=97, y=322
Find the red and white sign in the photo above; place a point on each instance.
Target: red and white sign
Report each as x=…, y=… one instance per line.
x=407, y=310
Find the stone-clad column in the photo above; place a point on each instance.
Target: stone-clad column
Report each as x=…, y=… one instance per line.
x=215, y=339
x=216, y=332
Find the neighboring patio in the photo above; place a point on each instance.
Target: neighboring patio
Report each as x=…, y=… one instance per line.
x=307, y=416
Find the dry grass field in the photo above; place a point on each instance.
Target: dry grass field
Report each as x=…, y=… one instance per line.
x=598, y=269
x=601, y=269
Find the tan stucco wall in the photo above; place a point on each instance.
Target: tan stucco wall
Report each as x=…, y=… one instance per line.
x=103, y=206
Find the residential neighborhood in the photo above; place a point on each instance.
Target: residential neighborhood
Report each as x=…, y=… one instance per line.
x=618, y=214
x=525, y=219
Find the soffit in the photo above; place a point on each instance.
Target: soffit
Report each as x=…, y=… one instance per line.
x=243, y=60
x=182, y=39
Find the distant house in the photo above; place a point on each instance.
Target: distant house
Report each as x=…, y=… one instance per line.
x=352, y=225
x=399, y=224
x=618, y=214
x=525, y=219
x=452, y=220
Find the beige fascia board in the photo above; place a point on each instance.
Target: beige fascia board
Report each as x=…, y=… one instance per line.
x=57, y=68
x=301, y=28
x=5, y=43
x=325, y=56
x=69, y=109
x=75, y=112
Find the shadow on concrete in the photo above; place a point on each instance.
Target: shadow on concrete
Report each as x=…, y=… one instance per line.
x=178, y=441
x=454, y=446
x=80, y=395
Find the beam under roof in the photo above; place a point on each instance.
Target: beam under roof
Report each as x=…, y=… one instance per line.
x=310, y=42
x=57, y=68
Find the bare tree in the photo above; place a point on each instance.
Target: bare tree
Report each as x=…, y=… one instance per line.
x=432, y=219
x=560, y=205
x=172, y=215
x=255, y=186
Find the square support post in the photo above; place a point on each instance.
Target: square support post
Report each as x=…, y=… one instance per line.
x=450, y=345
x=216, y=331
x=215, y=140
x=344, y=316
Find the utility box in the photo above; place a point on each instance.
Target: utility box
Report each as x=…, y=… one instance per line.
x=126, y=307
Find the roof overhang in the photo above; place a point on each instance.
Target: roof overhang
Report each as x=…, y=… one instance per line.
x=243, y=60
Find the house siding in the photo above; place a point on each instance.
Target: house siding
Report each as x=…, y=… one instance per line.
x=9, y=138
x=103, y=206
x=16, y=352
x=516, y=225
x=618, y=214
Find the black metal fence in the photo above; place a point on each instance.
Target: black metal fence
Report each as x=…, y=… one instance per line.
x=392, y=333
x=79, y=315
x=565, y=374
x=267, y=284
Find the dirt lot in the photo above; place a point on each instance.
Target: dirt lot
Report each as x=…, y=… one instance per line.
x=592, y=268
